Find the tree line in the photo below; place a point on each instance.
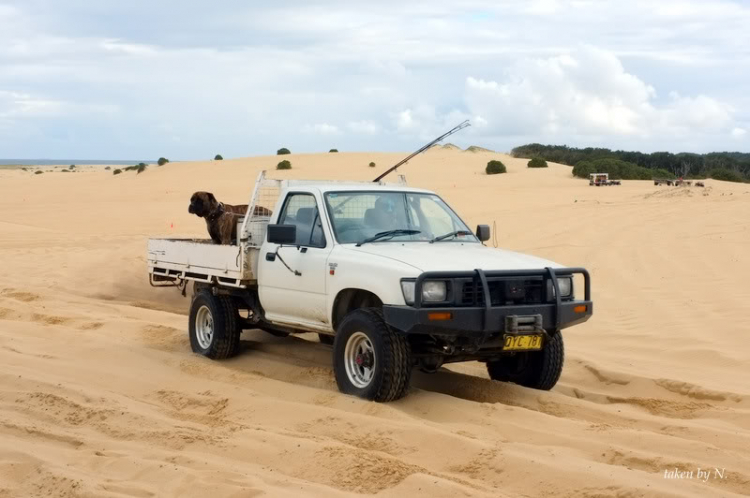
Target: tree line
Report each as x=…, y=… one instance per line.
x=729, y=166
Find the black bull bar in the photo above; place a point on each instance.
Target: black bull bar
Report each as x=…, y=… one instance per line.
x=450, y=318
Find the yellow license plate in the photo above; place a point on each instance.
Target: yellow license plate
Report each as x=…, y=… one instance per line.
x=522, y=342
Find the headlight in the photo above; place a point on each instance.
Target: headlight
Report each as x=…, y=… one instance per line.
x=407, y=287
x=565, y=284
x=433, y=291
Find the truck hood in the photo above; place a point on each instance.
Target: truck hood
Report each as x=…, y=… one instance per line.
x=453, y=256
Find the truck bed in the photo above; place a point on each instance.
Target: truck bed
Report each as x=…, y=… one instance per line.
x=203, y=261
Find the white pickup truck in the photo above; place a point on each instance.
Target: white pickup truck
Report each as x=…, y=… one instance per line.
x=390, y=275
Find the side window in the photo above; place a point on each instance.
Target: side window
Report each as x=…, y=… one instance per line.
x=301, y=210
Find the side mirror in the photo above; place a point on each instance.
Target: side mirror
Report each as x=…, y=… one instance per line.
x=282, y=234
x=483, y=232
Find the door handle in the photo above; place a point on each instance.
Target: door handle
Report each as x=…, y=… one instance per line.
x=270, y=256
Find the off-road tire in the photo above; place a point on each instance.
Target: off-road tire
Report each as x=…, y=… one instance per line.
x=535, y=369
x=225, y=340
x=392, y=368
x=326, y=339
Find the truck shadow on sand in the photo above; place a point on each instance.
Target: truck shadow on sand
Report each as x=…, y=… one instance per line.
x=305, y=361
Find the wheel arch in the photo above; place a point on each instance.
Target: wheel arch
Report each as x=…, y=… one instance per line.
x=350, y=299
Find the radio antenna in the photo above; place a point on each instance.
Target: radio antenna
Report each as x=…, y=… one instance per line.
x=407, y=158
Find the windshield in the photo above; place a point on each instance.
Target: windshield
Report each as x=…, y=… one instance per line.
x=358, y=216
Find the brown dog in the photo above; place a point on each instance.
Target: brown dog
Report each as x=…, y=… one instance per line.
x=221, y=219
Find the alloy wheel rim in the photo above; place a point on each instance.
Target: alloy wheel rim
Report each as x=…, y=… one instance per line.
x=204, y=327
x=359, y=360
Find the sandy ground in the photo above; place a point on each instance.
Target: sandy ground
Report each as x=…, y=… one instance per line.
x=101, y=396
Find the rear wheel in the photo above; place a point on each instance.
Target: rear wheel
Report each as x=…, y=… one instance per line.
x=214, y=325
x=535, y=369
x=369, y=359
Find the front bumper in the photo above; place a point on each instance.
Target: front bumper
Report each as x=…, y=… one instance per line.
x=479, y=321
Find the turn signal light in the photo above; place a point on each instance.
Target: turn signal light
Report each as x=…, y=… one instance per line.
x=580, y=309
x=440, y=316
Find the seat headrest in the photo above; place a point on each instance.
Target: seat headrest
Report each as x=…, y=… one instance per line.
x=305, y=215
x=371, y=217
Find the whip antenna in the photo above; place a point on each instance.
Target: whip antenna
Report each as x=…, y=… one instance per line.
x=406, y=159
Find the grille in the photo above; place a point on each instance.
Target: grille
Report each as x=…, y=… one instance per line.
x=503, y=292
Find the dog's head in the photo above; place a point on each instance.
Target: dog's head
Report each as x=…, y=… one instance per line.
x=203, y=204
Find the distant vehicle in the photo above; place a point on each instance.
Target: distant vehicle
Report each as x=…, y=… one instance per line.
x=672, y=182
x=389, y=275
x=599, y=179
x=665, y=181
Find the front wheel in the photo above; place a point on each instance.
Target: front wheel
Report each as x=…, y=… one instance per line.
x=535, y=369
x=214, y=325
x=369, y=359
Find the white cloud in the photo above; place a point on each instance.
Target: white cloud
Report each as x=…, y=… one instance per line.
x=587, y=92
x=738, y=132
x=321, y=129
x=16, y=105
x=364, y=127
x=128, y=48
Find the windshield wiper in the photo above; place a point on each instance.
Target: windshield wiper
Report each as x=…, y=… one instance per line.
x=449, y=235
x=388, y=233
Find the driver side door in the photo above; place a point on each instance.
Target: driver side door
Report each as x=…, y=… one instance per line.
x=297, y=294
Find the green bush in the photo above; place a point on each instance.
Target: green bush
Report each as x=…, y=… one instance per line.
x=284, y=165
x=140, y=168
x=72, y=166
x=218, y=157
x=38, y=172
x=372, y=164
x=24, y=169
x=107, y=168
x=117, y=172
x=162, y=161
x=537, y=162
x=726, y=175
x=283, y=151
x=64, y=171
x=333, y=150
x=494, y=167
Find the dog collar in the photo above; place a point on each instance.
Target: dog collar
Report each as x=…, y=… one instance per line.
x=219, y=211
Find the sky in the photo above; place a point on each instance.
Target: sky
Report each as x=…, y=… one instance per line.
x=187, y=79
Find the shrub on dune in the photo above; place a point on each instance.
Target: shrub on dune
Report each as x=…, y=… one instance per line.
x=283, y=151
x=284, y=165
x=38, y=172
x=537, y=162
x=218, y=157
x=495, y=167
x=117, y=172
x=162, y=161
x=372, y=164
x=333, y=150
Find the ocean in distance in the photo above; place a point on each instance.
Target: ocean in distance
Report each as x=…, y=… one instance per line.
x=68, y=162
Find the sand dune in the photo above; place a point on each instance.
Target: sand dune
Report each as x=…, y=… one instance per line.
x=101, y=396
